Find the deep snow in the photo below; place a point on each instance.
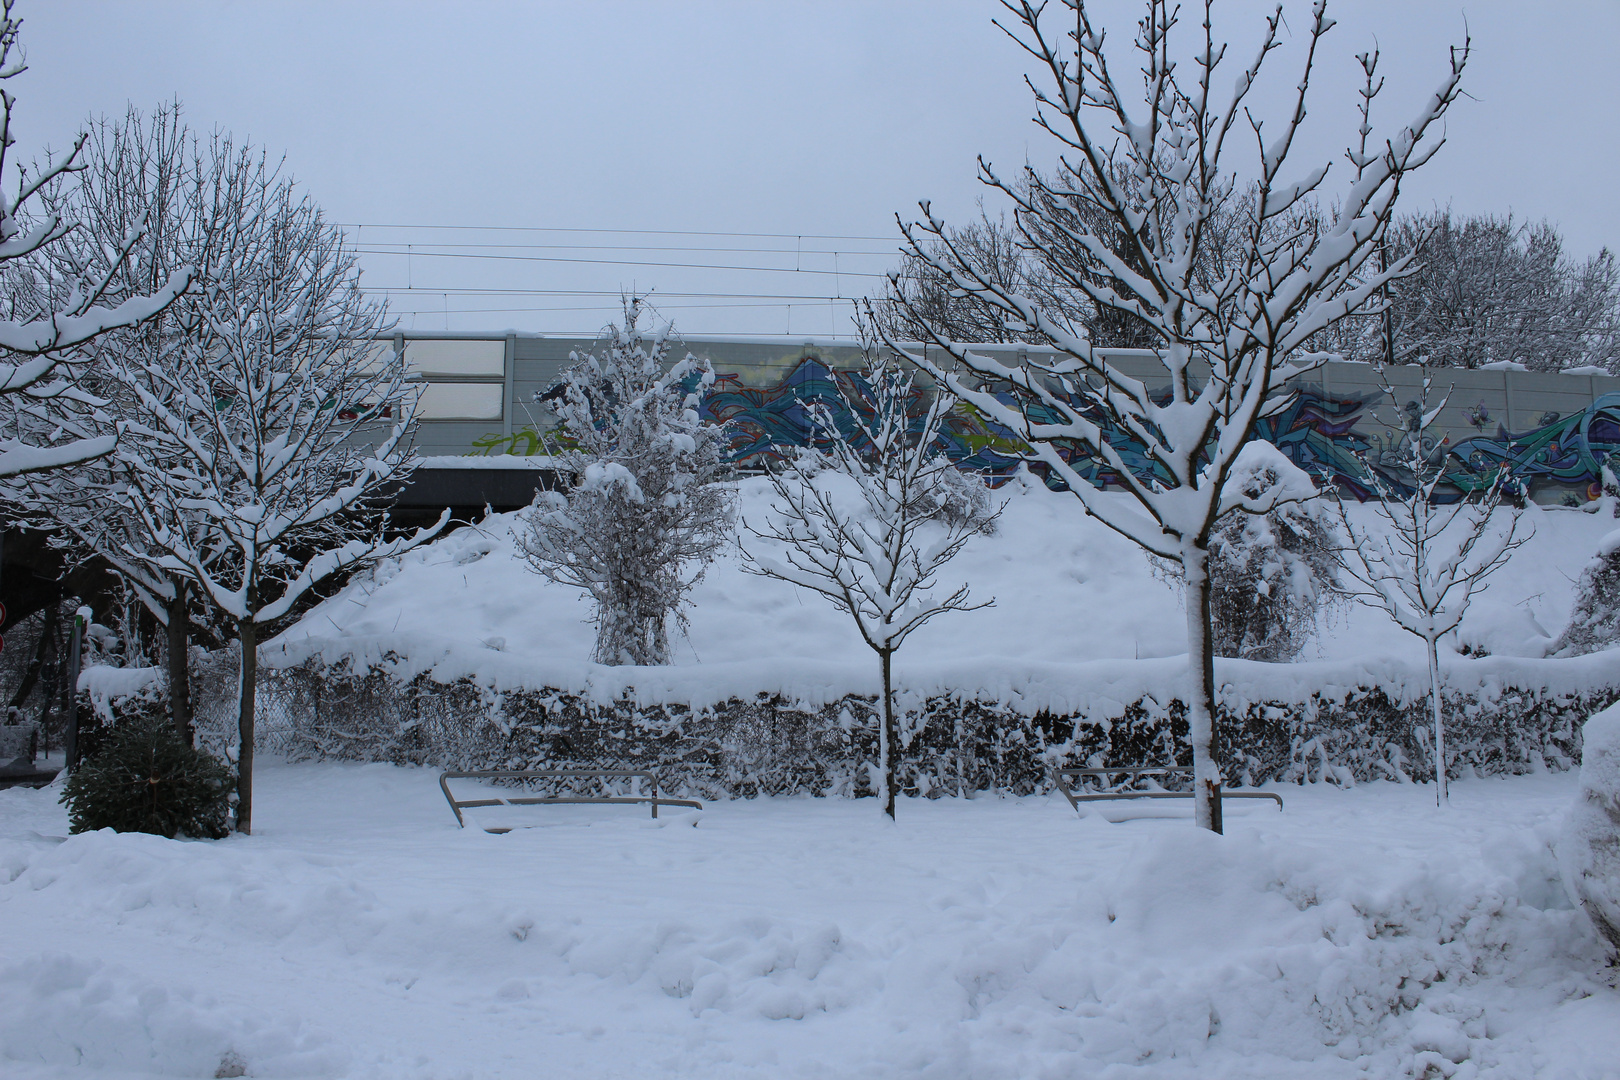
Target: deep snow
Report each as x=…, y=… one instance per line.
x=1589, y=849
x=1072, y=598
x=359, y=933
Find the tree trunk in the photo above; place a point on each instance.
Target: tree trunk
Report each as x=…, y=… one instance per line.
x=1441, y=794
x=179, y=669
x=1205, y=739
x=51, y=666
x=37, y=663
x=888, y=738
x=248, y=632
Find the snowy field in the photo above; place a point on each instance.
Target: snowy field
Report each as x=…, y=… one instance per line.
x=359, y=933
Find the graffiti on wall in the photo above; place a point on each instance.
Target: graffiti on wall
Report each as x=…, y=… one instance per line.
x=1339, y=438
x=764, y=421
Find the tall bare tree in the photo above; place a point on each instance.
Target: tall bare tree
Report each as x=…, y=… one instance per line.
x=1486, y=289
x=1226, y=342
x=270, y=422
x=151, y=171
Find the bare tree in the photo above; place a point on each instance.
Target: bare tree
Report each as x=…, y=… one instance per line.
x=644, y=514
x=931, y=304
x=53, y=297
x=1427, y=559
x=1225, y=341
x=876, y=556
x=1487, y=289
x=270, y=421
x=997, y=250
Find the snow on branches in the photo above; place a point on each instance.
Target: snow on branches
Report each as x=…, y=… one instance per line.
x=55, y=296
x=875, y=551
x=1428, y=559
x=1595, y=621
x=264, y=423
x=642, y=514
x=1226, y=330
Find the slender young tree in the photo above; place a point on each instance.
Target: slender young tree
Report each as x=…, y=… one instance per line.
x=876, y=557
x=644, y=514
x=277, y=420
x=1426, y=559
x=1225, y=342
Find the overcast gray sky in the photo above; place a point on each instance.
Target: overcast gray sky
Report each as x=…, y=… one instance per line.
x=811, y=122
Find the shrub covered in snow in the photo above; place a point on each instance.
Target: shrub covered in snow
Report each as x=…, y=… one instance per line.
x=1595, y=622
x=146, y=778
x=642, y=511
x=1270, y=575
x=1589, y=851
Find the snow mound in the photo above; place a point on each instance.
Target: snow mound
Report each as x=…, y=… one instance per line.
x=65, y=1011
x=1589, y=850
x=62, y=1009
x=1076, y=605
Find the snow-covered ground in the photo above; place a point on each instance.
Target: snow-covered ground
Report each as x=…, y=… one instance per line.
x=1068, y=591
x=359, y=933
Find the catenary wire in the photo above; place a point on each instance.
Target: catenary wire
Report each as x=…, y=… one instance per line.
x=617, y=262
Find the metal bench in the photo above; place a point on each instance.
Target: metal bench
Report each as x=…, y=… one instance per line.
x=458, y=805
x=1060, y=777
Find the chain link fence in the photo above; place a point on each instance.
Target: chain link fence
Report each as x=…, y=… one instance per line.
x=284, y=704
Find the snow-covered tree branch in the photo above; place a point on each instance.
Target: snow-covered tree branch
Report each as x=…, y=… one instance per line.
x=1490, y=289
x=137, y=171
x=55, y=295
x=1425, y=560
x=1227, y=341
x=643, y=515
x=875, y=551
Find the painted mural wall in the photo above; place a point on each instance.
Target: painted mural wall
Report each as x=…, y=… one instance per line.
x=1339, y=437
x=1553, y=432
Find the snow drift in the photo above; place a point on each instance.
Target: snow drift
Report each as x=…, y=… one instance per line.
x=1589, y=850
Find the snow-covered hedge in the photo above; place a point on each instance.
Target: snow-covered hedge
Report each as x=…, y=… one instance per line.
x=1298, y=722
x=1589, y=851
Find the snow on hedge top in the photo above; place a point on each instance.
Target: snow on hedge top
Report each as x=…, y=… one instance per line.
x=1082, y=622
x=1609, y=544
x=481, y=461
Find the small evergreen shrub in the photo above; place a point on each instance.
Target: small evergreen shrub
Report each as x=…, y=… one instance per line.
x=145, y=778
